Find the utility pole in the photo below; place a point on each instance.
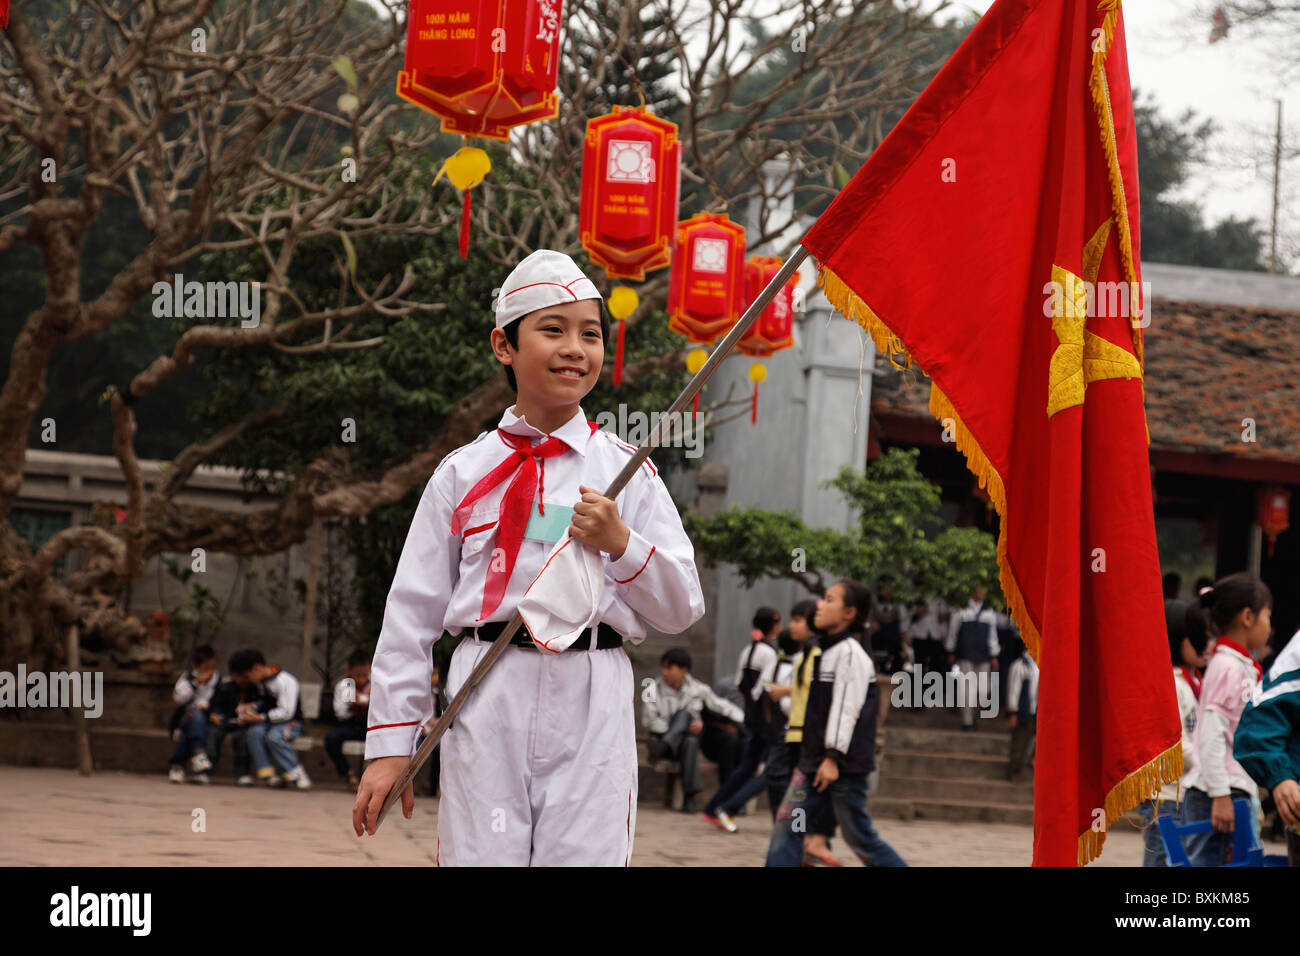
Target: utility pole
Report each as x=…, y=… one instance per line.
x=1277, y=173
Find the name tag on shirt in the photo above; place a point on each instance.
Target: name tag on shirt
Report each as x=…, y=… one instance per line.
x=549, y=527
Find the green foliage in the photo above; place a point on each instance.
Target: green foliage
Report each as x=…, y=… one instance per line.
x=896, y=537
x=199, y=617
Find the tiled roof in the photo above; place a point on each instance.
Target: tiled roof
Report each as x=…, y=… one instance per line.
x=1208, y=367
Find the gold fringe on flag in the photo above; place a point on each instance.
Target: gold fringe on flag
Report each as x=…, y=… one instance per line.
x=1106, y=122
x=1142, y=784
x=847, y=304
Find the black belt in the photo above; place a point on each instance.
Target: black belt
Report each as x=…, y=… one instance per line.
x=606, y=637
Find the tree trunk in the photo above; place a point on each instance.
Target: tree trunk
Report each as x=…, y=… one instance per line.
x=85, y=766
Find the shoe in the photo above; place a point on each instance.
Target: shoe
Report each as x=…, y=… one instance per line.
x=245, y=781
x=810, y=859
x=271, y=781
x=202, y=778
x=688, y=804
x=712, y=821
x=199, y=763
x=297, y=777
x=728, y=824
x=176, y=774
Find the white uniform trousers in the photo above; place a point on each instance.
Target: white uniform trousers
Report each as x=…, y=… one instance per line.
x=539, y=768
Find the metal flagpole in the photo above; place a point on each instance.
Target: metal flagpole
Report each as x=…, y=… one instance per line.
x=652, y=442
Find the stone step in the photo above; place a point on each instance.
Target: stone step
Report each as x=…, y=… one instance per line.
x=909, y=808
x=942, y=765
x=981, y=741
x=974, y=790
x=938, y=718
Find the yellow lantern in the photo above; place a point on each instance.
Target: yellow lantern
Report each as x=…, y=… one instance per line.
x=622, y=302
x=757, y=373
x=466, y=168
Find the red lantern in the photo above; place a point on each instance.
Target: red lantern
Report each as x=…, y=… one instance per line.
x=1273, y=512
x=631, y=181
x=707, y=279
x=773, y=330
x=483, y=67
x=707, y=282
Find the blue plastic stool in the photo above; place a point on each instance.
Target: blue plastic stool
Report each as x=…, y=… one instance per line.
x=1246, y=850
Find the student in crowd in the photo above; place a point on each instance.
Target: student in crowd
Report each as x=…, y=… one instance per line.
x=351, y=703
x=1240, y=609
x=1190, y=646
x=972, y=644
x=754, y=671
x=272, y=730
x=1022, y=711
x=234, y=705
x=675, y=714
x=925, y=647
x=839, y=737
x=1267, y=742
x=793, y=681
x=193, y=696
x=886, y=629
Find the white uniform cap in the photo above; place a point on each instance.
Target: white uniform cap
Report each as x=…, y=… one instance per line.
x=545, y=278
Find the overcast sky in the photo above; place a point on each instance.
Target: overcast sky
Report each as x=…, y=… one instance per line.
x=1235, y=82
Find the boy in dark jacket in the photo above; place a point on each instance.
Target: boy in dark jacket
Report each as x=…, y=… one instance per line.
x=839, y=737
x=230, y=714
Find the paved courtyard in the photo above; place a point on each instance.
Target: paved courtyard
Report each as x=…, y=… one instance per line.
x=58, y=818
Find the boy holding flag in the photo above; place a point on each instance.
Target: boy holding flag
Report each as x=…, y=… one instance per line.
x=539, y=767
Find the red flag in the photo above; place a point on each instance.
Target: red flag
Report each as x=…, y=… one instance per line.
x=971, y=242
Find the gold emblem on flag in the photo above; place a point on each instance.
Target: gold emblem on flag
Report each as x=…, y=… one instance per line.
x=1082, y=356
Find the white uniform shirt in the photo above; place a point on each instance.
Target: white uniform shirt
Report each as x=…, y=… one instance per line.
x=346, y=692
x=1023, y=668
x=925, y=625
x=283, y=688
x=1186, y=697
x=440, y=577
x=694, y=695
x=189, y=689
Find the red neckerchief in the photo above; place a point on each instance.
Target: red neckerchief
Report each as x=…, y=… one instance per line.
x=512, y=519
x=1240, y=649
x=1193, y=680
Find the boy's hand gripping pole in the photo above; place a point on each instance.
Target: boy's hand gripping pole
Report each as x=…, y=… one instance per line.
x=652, y=442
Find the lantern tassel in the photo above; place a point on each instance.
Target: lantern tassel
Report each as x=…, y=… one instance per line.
x=753, y=407
x=464, y=227
x=618, y=354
